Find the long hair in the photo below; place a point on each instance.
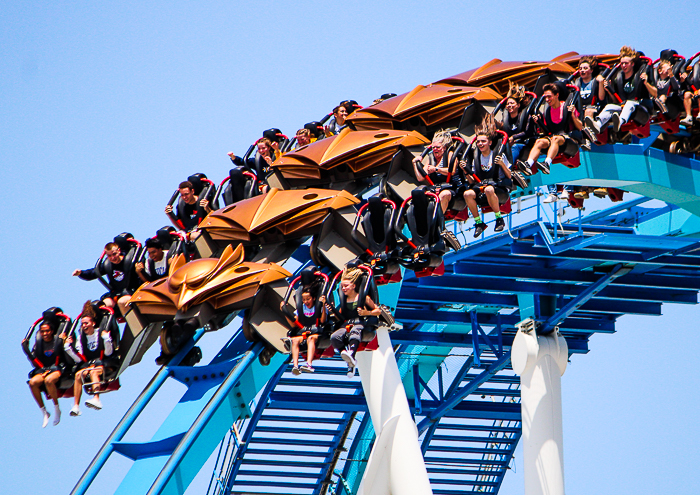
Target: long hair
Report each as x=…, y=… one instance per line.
x=515, y=92
x=89, y=310
x=487, y=127
x=351, y=274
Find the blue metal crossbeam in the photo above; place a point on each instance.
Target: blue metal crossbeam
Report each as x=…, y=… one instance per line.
x=451, y=401
x=575, y=303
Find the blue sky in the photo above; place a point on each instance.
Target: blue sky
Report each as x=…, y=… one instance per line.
x=107, y=106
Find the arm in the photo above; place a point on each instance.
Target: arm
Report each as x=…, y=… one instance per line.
x=141, y=272
x=71, y=351
x=373, y=311
x=107, y=340
x=574, y=117
x=445, y=170
x=601, y=87
x=88, y=274
x=502, y=161
x=653, y=92
x=324, y=315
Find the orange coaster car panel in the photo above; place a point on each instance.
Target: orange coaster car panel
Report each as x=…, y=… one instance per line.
x=226, y=283
x=290, y=213
x=363, y=152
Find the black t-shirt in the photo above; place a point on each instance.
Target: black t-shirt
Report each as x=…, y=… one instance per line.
x=628, y=91
x=190, y=216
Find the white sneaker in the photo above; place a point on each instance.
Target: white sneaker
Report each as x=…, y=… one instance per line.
x=564, y=196
x=351, y=371
x=47, y=415
x=347, y=357
x=687, y=121
x=57, y=419
x=551, y=198
x=75, y=410
x=94, y=403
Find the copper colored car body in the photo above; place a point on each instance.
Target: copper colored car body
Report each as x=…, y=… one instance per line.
x=441, y=104
x=275, y=216
x=348, y=156
x=227, y=284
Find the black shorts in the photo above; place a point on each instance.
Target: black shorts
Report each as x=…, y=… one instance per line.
x=297, y=332
x=501, y=190
x=48, y=369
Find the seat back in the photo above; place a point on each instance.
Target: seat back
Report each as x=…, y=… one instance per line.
x=377, y=224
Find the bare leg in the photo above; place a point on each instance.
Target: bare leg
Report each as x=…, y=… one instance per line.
x=50, y=382
x=311, y=348
x=553, y=150
x=95, y=378
x=35, y=383
x=445, y=197
x=492, y=198
x=536, y=151
x=295, y=351
x=470, y=198
x=122, y=303
x=688, y=102
x=78, y=387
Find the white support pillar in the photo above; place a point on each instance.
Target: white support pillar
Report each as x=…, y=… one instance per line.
x=541, y=361
x=396, y=465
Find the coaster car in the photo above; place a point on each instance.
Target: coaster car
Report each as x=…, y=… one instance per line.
x=105, y=322
x=55, y=317
x=348, y=161
x=207, y=289
x=496, y=73
x=271, y=219
x=422, y=214
x=377, y=218
x=425, y=109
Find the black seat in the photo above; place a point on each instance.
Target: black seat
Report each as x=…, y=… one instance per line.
x=239, y=185
x=377, y=219
x=423, y=216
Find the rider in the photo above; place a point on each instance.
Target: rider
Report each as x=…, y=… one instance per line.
x=632, y=90
x=436, y=166
x=193, y=212
x=353, y=318
x=489, y=176
x=122, y=278
x=89, y=351
x=49, y=359
x=157, y=263
x=308, y=321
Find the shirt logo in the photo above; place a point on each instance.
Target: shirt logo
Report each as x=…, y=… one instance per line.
x=117, y=275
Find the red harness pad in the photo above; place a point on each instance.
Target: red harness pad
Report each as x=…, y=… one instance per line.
x=435, y=271
x=505, y=208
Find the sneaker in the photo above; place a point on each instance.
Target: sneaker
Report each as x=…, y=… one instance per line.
x=94, y=403
x=287, y=342
x=46, y=415
x=600, y=192
x=688, y=121
x=524, y=167
x=500, y=224
x=616, y=122
x=451, y=239
x=479, y=228
x=544, y=167
x=564, y=196
x=75, y=410
x=661, y=106
x=551, y=198
x=590, y=135
x=351, y=371
x=591, y=124
x=519, y=179
x=347, y=357
x=307, y=368
x=581, y=194
x=586, y=145
x=296, y=371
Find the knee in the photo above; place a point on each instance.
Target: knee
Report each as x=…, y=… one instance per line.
x=469, y=194
x=489, y=191
x=36, y=381
x=52, y=379
x=559, y=140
